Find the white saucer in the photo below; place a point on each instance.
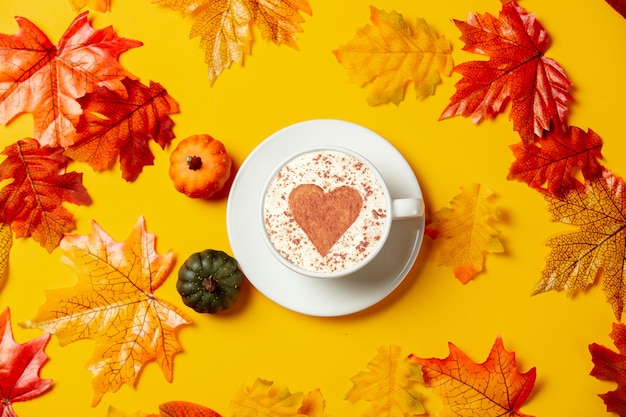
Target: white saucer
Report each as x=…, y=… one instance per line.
x=317, y=296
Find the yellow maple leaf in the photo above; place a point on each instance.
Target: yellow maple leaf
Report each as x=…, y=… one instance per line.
x=6, y=241
x=391, y=53
x=464, y=232
x=264, y=398
x=113, y=303
x=224, y=26
x=388, y=385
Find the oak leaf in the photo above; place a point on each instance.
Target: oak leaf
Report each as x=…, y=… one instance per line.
x=185, y=409
x=389, y=385
x=114, y=304
x=551, y=164
x=492, y=388
x=391, y=53
x=609, y=366
x=465, y=232
x=224, y=26
x=112, y=126
x=598, y=248
x=265, y=398
x=517, y=71
x=45, y=80
x=19, y=367
x=32, y=202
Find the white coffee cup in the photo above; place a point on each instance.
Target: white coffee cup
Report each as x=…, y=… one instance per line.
x=327, y=212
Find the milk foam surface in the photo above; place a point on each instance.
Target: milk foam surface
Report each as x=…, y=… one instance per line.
x=328, y=170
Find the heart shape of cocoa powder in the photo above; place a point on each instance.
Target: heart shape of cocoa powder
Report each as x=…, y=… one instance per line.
x=324, y=216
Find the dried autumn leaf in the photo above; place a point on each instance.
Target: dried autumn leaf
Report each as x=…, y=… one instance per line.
x=464, y=233
x=185, y=409
x=6, y=241
x=517, y=71
x=114, y=304
x=32, y=202
x=264, y=398
x=313, y=404
x=468, y=389
x=112, y=126
x=389, y=385
x=598, y=247
x=224, y=26
x=609, y=366
x=19, y=367
x=45, y=80
x=550, y=164
x=391, y=53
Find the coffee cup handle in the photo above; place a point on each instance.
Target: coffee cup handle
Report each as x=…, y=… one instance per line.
x=403, y=208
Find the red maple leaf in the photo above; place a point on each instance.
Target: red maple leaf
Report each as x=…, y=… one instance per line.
x=492, y=388
x=32, y=203
x=551, y=163
x=619, y=6
x=517, y=71
x=45, y=80
x=112, y=125
x=19, y=367
x=609, y=366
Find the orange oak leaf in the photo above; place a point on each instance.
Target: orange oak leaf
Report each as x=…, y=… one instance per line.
x=185, y=409
x=517, y=71
x=464, y=232
x=114, y=304
x=389, y=385
x=32, y=202
x=492, y=388
x=19, y=367
x=264, y=398
x=609, y=366
x=598, y=248
x=45, y=80
x=224, y=26
x=6, y=241
x=112, y=126
x=391, y=53
x=551, y=163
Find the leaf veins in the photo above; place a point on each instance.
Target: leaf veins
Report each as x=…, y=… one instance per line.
x=597, y=248
x=114, y=304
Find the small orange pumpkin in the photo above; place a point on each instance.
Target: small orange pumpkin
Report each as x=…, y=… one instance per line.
x=199, y=166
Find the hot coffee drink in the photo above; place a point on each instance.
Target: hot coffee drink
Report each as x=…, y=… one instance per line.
x=326, y=211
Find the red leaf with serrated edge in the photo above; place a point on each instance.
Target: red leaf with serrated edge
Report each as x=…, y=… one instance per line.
x=32, y=203
x=517, y=71
x=43, y=79
x=19, y=367
x=113, y=126
x=492, y=388
x=609, y=366
x=550, y=164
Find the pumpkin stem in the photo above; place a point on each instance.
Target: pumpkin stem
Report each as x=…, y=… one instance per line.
x=194, y=162
x=209, y=284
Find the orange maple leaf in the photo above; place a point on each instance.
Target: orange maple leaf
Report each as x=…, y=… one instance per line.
x=6, y=241
x=517, y=71
x=110, y=127
x=185, y=409
x=389, y=385
x=19, y=367
x=465, y=232
x=391, y=53
x=492, y=388
x=598, y=248
x=32, y=203
x=43, y=79
x=224, y=26
x=114, y=304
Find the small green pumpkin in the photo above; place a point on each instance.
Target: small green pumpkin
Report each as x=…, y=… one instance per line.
x=209, y=281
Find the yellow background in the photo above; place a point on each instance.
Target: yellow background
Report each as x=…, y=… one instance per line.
x=278, y=86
